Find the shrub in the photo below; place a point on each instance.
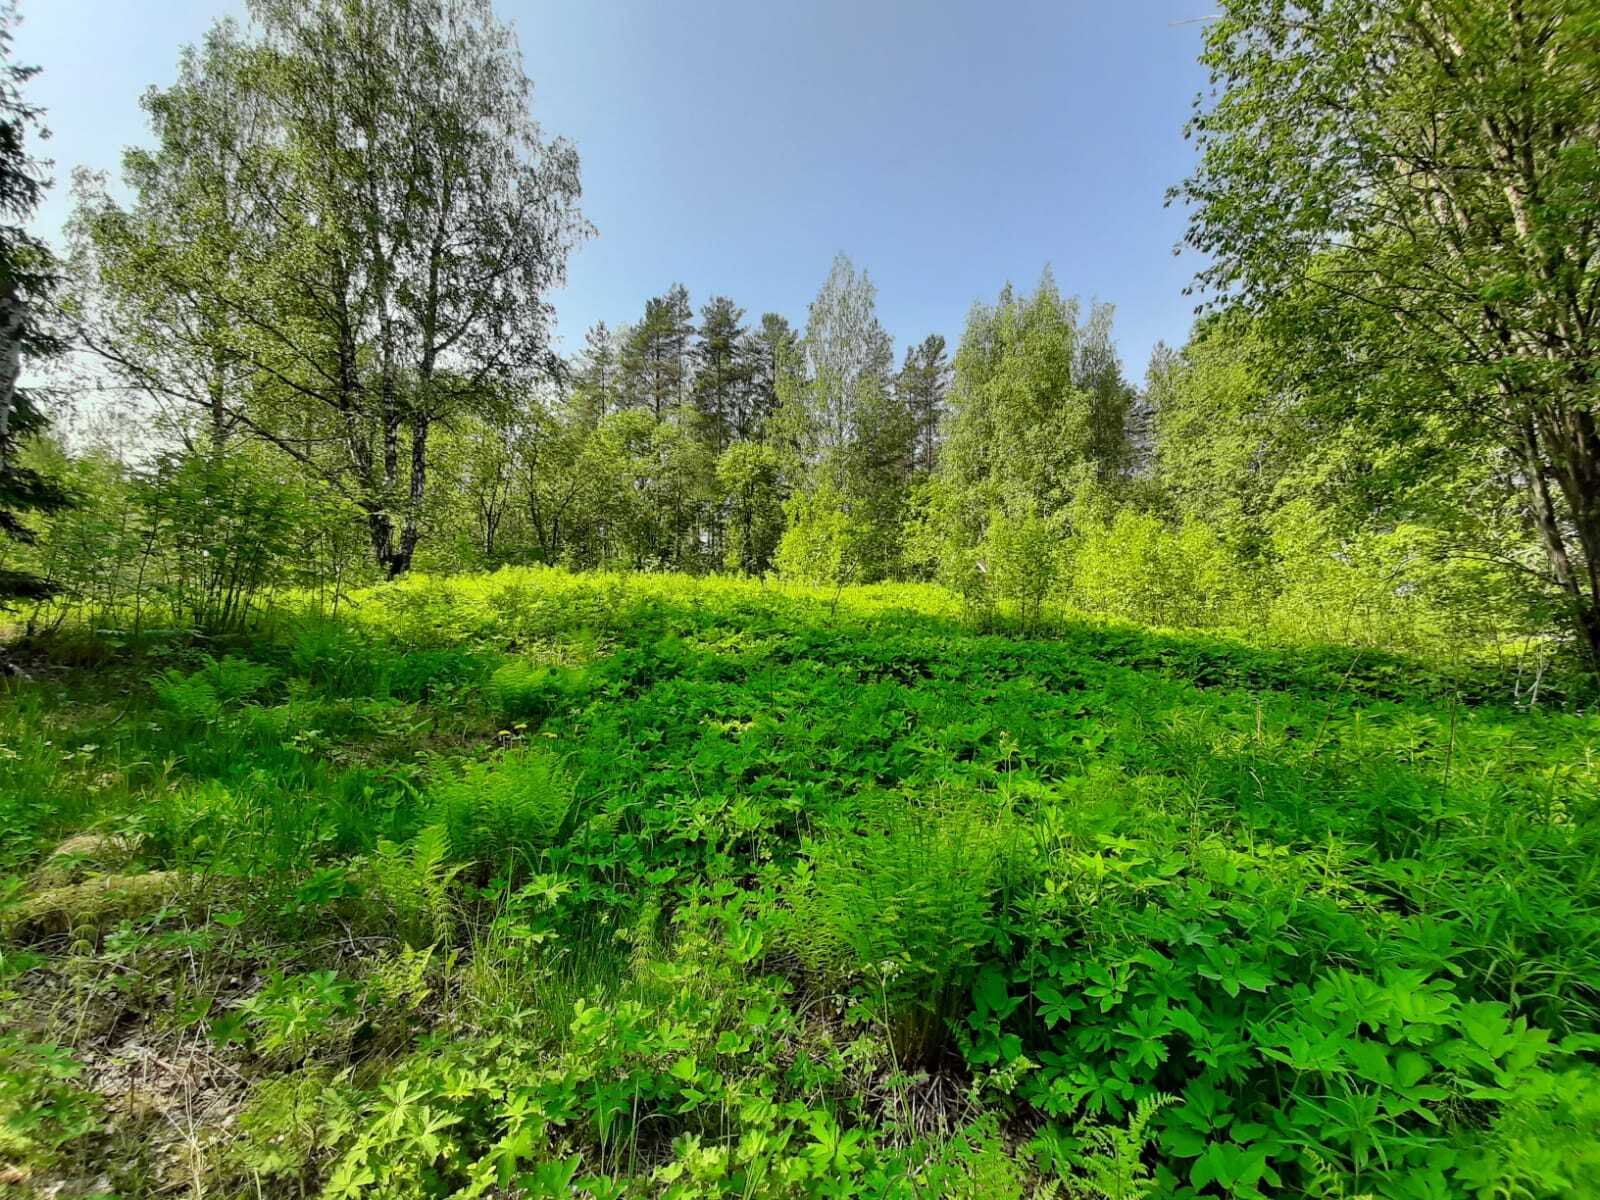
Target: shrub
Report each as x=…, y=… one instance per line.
x=1139, y=568
x=43, y=1109
x=334, y=658
x=531, y=691
x=1020, y=552
x=232, y=529
x=821, y=544
x=1545, y=1142
x=215, y=687
x=500, y=813
x=896, y=912
x=423, y=674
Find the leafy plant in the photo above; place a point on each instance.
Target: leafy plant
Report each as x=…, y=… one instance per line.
x=42, y=1107
x=502, y=813
x=293, y=1014
x=219, y=685
x=414, y=880
x=897, y=910
x=1114, y=1167
x=532, y=690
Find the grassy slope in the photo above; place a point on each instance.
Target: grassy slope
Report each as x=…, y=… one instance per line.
x=837, y=898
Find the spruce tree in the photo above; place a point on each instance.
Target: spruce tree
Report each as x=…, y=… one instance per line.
x=27, y=278
x=597, y=384
x=770, y=349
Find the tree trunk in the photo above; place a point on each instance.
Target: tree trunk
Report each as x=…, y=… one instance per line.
x=1583, y=495
x=400, y=561
x=13, y=313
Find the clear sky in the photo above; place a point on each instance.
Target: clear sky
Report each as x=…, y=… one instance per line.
x=737, y=145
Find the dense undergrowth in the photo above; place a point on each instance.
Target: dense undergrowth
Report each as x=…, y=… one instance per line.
x=543, y=885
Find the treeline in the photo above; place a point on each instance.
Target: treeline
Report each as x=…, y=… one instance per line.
x=329, y=288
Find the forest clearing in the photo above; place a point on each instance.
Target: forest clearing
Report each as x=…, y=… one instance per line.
x=486, y=716
x=651, y=884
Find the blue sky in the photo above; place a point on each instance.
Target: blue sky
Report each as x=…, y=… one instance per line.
x=736, y=146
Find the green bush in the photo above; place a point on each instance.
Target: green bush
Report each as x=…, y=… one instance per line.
x=43, y=1107
x=232, y=529
x=820, y=544
x=1140, y=568
x=205, y=694
x=500, y=814
x=1019, y=553
x=896, y=909
x=531, y=691
x=335, y=658
x=423, y=674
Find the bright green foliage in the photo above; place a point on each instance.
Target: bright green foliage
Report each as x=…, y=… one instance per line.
x=233, y=527
x=85, y=553
x=1018, y=429
x=807, y=880
x=894, y=906
x=664, y=456
x=500, y=814
x=1544, y=1141
x=786, y=873
x=43, y=1107
x=292, y=1014
x=820, y=543
x=1021, y=553
x=749, y=478
x=1402, y=196
x=534, y=690
x=1139, y=567
x=205, y=694
x=653, y=488
x=1386, y=440
x=198, y=540
x=1038, y=413
x=415, y=881
x=850, y=437
x=1116, y=1169
x=1223, y=447
x=269, y=275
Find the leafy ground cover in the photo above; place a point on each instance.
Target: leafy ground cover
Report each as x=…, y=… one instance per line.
x=534, y=884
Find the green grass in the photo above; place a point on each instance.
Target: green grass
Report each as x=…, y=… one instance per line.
x=521, y=883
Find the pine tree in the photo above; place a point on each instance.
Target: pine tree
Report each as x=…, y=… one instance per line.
x=722, y=373
x=923, y=384
x=655, y=354
x=597, y=383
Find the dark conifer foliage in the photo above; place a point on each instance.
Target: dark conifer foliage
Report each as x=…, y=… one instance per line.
x=923, y=384
x=28, y=276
